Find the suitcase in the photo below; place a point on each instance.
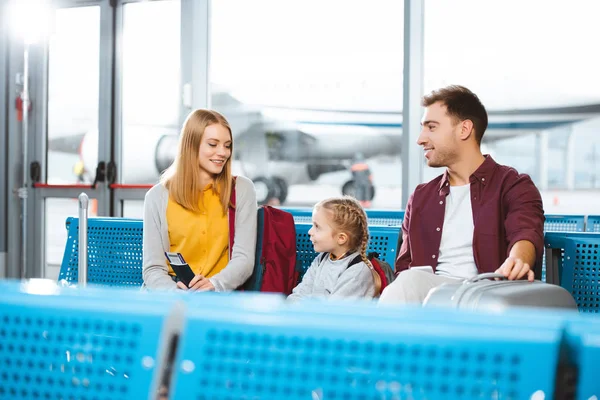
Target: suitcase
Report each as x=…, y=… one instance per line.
x=484, y=292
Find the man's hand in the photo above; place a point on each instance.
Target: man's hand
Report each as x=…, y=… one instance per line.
x=199, y=283
x=514, y=268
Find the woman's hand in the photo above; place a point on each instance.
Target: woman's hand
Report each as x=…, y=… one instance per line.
x=199, y=283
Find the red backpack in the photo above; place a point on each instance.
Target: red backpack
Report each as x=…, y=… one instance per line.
x=275, y=250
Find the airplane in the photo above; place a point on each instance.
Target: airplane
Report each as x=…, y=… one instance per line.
x=278, y=147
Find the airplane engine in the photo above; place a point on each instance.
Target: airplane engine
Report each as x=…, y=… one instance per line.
x=146, y=152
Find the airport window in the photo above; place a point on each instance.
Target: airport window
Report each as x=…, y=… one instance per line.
x=544, y=109
x=73, y=94
x=313, y=90
x=150, y=91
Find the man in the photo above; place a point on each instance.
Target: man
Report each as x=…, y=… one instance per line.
x=479, y=216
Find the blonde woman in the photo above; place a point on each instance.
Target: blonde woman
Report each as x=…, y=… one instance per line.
x=187, y=212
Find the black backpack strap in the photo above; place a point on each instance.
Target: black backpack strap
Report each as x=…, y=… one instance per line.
x=322, y=257
x=355, y=261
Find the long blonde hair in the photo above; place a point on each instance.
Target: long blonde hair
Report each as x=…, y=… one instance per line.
x=182, y=178
x=348, y=216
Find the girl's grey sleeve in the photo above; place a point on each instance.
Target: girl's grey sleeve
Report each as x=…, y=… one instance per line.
x=356, y=281
x=304, y=288
x=154, y=269
x=241, y=265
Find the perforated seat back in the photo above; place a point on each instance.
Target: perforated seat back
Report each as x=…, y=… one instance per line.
x=593, y=223
x=581, y=272
x=383, y=240
x=80, y=347
x=580, y=266
x=114, y=252
x=296, y=354
x=564, y=223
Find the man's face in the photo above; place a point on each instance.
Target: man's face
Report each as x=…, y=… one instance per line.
x=439, y=136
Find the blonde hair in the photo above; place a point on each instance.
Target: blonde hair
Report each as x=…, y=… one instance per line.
x=182, y=178
x=348, y=216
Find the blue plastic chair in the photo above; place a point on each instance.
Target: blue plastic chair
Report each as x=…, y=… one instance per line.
x=582, y=336
x=564, y=223
x=309, y=351
x=576, y=266
x=97, y=344
x=593, y=223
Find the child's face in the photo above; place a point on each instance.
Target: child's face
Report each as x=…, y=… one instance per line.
x=322, y=235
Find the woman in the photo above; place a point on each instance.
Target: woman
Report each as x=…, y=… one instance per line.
x=187, y=212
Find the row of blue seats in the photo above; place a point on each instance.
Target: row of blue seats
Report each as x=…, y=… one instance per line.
x=115, y=256
x=115, y=250
x=554, y=222
x=113, y=344
x=375, y=217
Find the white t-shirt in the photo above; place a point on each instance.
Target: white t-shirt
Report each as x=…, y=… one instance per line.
x=456, y=247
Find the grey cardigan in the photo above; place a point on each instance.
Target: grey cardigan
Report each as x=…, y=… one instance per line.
x=156, y=239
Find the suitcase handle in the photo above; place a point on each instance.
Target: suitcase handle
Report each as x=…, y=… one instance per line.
x=488, y=275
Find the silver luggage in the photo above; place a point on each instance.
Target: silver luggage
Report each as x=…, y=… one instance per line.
x=484, y=292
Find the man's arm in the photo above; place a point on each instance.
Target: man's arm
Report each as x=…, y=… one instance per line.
x=524, y=226
x=404, y=257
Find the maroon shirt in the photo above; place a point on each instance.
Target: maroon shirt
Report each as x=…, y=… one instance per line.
x=507, y=208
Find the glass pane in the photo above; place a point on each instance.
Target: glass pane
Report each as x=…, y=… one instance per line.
x=309, y=93
x=586, y=144
x=151, y=63
x=526, y=77
x=73, y=88
x=133, y=209
x=57, y=211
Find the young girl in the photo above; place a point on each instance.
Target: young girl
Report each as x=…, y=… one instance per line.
x=187, y=212
x=340, y=231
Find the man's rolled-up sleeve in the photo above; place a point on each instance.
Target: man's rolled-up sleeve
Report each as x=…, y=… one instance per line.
x=525, y=215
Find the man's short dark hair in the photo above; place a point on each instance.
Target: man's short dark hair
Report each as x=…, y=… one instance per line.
x=462, y=104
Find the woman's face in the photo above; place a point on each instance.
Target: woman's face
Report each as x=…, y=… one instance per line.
x=215, y=149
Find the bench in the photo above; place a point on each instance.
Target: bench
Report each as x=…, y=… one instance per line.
x=375, y=217
x=81, y=344
x=355, y=351
x=115, y=250
x=122, y=344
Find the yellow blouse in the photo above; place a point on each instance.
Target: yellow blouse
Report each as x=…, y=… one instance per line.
x=201, y=238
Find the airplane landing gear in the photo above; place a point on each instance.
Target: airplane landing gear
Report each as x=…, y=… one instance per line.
x=349, y=189
x=264, y=189
x=281, y=187
x=268, y=190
